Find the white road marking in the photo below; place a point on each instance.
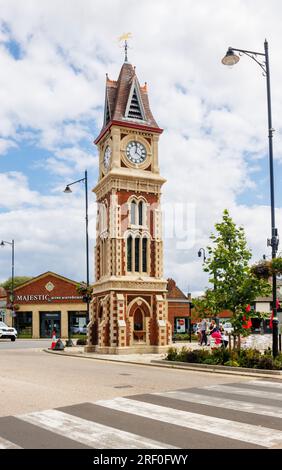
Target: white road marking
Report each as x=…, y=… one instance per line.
x=92, y=434
x=248, y=407
x=265, y=383
x=221, y=427
x=244, y=391
x=5, y=444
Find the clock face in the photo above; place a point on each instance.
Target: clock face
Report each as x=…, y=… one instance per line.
x=107, y=157
x=136, y=152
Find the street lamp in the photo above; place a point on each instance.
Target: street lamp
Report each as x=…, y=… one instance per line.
x=262, y=59
x=200, y=252
x=12, y=243
x=68, y=191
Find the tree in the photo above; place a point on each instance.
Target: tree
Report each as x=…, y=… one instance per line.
x=17, y=281
x=235, y=287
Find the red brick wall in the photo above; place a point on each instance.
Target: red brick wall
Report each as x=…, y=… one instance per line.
x=62, y=288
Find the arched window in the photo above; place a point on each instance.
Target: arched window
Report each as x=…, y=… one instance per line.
x=129, y=253
x=144, y=255
x=138, y=320
x=140, y=213
x=137, y=254
x=133, y=212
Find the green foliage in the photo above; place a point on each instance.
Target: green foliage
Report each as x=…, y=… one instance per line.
x=18, y=280
x=184, y=337
x=172, y=354
x=235, y=286
x=276, y=266
x=232, y=363
x=81, y=342
x=250, y=358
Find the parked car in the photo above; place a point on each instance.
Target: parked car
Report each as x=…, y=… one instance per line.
x=228, y=328
x=7, y=332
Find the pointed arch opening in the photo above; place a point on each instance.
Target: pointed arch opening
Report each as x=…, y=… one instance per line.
x=129, y=253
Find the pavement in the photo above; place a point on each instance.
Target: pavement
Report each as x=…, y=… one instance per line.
x=78, y=351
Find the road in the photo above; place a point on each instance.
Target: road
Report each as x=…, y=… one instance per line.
x=24, y=344
x=66, y=402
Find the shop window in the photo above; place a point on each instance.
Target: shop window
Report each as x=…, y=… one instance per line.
x=50, y=322
x=77, y=324
x=23, y=324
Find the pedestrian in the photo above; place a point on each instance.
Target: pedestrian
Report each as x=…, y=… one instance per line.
x=203, y=330
x=216, y=339
x=225, y=338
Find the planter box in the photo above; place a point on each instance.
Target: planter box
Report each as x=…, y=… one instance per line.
x=207, y=367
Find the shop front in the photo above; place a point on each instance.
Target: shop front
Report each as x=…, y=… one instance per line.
x=50, y=322
x=48, y=303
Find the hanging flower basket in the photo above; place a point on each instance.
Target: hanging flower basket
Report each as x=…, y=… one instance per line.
x=16, y=307
x=276, y=265
x=262, y=270
x=84, y=290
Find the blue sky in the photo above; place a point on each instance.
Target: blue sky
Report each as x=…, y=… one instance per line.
x=214, y=149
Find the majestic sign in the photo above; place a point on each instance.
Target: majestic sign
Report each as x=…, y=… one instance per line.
x=46, y=297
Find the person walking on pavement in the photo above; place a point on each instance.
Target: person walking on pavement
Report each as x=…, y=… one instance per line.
x=203, y=330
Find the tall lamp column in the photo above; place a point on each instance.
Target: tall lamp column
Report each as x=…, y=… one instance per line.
x=262, y=59
x=12, y=243
x=68, y=190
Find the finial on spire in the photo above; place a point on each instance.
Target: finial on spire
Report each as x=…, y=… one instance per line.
x=124, y=38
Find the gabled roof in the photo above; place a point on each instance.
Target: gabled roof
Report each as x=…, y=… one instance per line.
x=47, y=274
x=173, y=291
x=125, y=95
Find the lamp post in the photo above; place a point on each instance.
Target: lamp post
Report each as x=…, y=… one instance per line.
x=12, y=244
x=201, y=252
x=262, y=59
x=68, y=190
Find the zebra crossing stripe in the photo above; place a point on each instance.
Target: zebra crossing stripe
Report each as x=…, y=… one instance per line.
x=248, y=407
x=93, y=434
x=217, y=426
x=265, y=383
x=244, y=391
x=5, y=444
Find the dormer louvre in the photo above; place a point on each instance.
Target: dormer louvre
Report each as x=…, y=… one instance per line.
x=134, y=107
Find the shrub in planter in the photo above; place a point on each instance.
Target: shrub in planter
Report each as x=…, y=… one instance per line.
x=249, y=358
x=190, y=356
x=209, y=360
x=277, y=363
x=232, y=363
x=220, y=355
x=265, y=362
x=81, y=342
x=172, y=354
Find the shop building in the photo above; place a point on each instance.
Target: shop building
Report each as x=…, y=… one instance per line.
x=47, y=302
x=179, y=309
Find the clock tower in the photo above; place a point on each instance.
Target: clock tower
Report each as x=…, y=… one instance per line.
x=129, y=305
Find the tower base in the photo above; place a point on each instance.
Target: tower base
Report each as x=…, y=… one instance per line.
x=138, y=349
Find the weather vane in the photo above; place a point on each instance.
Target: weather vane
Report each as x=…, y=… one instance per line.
x=124, y=38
